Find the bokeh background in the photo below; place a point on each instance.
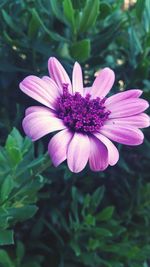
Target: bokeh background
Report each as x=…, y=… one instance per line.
x=49, y=216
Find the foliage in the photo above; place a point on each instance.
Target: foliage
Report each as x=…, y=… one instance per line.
x=49, y=216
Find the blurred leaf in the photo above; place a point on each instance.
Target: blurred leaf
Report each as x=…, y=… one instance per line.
x=6, y=187
x=6, y=237
x=20, y=251
x=5, y=260
x=105, y=214
x=81, y=50
x=34, y=24
x=139, y=8
x=52, y=35
x=105, y=10
x=97, y=197
x=56, y=8
x=89, y=15
x=69, y=13
x=10, y=22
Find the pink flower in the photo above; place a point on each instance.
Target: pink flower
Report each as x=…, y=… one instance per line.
x=85, y=118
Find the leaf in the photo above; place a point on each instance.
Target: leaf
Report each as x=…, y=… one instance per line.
x=139, y=8
x=10, y=22
x=81, y=50
x=93, y=244
x=13, y=146
x=105, y=214
x=5, y=259
x=20, y=214
x=56, y=8
x=6, y=187
x=6, y=237
x=74, y=204
x=97, y=197
x=76, y=248
x=135, y=42
x=105, y=10
x=90, y=220
x=20, y=251
x=53, y=35
x=102, y=232
x=34, y=25
x=89, y=15
x=69, y=12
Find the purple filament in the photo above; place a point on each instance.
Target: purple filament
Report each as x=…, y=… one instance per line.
x=81, y=114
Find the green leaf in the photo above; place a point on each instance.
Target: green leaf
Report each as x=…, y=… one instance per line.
x=93, y=244
x=69, y=13
x=105, y=10
x=20, y=251
x=102, y=232
x=13, y=146
x=19, y=213
x=10, y=22
x=81, y=50
x=89, y=15
x=6, y=237
x=6, y=187
x=139, y=8
x=105, y=214
x=90, y=220
x=74, y=204
x=97, y=197
x=53, y=35
x=5, y=260
x=56, y=8
x=34, y=25
x=76, y=248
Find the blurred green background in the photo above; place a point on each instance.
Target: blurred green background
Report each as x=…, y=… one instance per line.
x=49, y=216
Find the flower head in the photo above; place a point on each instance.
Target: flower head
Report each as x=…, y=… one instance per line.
x=87, y=121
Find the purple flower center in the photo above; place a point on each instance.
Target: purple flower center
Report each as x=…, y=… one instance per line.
x=81, y=114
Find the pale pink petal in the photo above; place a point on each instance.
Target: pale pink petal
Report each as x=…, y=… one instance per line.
x=140, y=121
x=98, y=158
x=78, y=152
x=39, y=90
x=103, y=83
x=39, y=123
x=124, y=135
x=128, y=107
x=51, y=82
x=58, y=146
x=77, y=79
x=87, y=90
x=42, y=111
x=113, y=154
x=58, y=74
x=133, y=93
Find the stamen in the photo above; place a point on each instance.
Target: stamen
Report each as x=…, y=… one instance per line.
x=81, y=114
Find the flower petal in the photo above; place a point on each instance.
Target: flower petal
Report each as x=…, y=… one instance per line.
x=113, y=154
x=87, y=90
x=42, y=111
x=58, y=74
x=128, y=107
x=50, y=81
x=140, y=121
x=78, y=152
x=58, y=146
x=133, y=93
x=124, y=135
x=77, y=79
x=103, y=83
x=98, y=158
x=39, y=123
x=39, y=90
